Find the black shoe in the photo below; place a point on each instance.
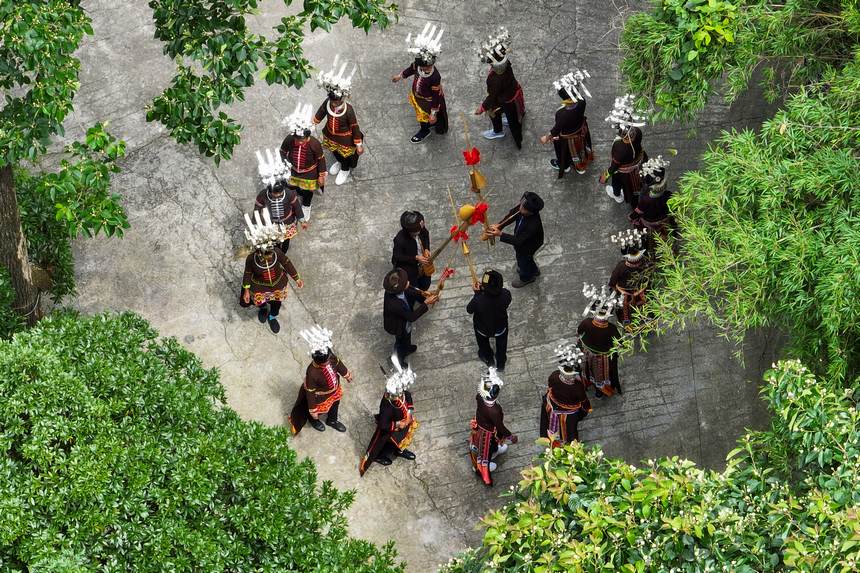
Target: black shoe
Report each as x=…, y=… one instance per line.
x=317, y=425
x=518, y=283
x=411, y=349
x=336, y=425
x=262, y=314
x=274, y=325
x=500, y=369
x=406, y=455
x=419, y=137
x=599, y=395
x=383, y=461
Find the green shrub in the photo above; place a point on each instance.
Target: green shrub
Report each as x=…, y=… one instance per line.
x=120, y=455
x=771, y=231
x=787, y=499
x=678, y=54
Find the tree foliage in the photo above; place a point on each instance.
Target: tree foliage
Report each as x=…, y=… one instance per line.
x=787, y=499
x=212, y=36
x=678, y=54
x=120, y=455
x=771, y=231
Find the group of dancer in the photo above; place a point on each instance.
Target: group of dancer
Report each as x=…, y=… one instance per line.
x=297, y=171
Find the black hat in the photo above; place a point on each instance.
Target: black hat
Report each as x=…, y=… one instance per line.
x=395, y=281
x=320, y=356
x=411, y=221
x=492, y=282
x=532, y=202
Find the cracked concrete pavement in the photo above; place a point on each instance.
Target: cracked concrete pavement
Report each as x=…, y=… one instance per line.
x=686, y=396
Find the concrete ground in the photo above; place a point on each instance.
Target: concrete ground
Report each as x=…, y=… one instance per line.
x=686, y=396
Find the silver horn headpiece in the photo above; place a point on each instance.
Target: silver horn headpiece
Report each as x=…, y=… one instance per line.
x=569, y=357
x=495, y=49
x=601, y=302
x=490, y=385
x=261, y=232
x=272, y=168
x=336, y=81
x=426, y=46
x=623, y=115
x=632, y=243
x=318, y=339
x=301, y=120
x=573, y=84
x=400, y=379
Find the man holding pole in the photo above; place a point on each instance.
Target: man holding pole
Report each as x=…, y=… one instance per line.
x=527, y=237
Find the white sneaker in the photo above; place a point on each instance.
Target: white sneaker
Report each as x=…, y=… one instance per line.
x=341, y=178
x=504, y=120
x=493, y=466
x=334, y=169
x=490, y=134
x=611, y=192
x=502, y=449
x=307, y=212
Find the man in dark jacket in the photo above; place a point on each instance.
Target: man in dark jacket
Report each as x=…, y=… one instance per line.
x=398, y=314
x=411, y=245
x=489, y=307
x=527, y=237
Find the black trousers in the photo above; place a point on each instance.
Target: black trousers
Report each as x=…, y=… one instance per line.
x=307, y=196
x=332, y=413
x=510, y=110
x=284, y=246
x=346, y=163
x=401, y=346
x=441, y=124
x=485, y=351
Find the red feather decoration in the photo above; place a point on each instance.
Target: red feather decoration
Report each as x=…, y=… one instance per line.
x=480, y=214
x=472, y=156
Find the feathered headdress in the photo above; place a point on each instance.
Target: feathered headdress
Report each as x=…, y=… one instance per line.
x=300, y=122
x=272, y=168
x=318, y=339
x=569, y=357
x=623, y=115
x=261, y=232
x=601, y=302
x=336, y=81
x=400, y=379
x=490, y=385
x=495, y=49
x=427, y=45
x=632, y=243
x=573, y=84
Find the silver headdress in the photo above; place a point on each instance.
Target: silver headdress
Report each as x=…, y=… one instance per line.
x=654, y=167
x=301, y=120
x=601, y=302
x=573, y=84
x=400, y=380
x=272, y=168
x=569, y=357
x=632, y=243
x=261, y=232
x=623, y=115
x=336, y=81
x=495, y=49
x=318, y=339
x=490, y=385
x=427, y=45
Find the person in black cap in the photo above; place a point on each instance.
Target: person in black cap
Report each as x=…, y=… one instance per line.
x=398, y=314
x=411, y=250
x=527, y=237
x=489, y=310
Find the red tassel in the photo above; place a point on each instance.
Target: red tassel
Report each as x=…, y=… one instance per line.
x=480, y=214
x=472, y=156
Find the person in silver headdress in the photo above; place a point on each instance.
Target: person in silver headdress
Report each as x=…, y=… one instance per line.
x=504, y=103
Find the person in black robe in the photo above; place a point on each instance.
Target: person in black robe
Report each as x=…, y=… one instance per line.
x=489, y=434
x=411, y=250
x=565, y=403
x=504, y=94
x=527, y=237
x=597, y=338
x=489, y=310
x=627, y=154
x=570, y=135
x=395, y=423
x=398, y=315
x=631, y=275
x=652, y=210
